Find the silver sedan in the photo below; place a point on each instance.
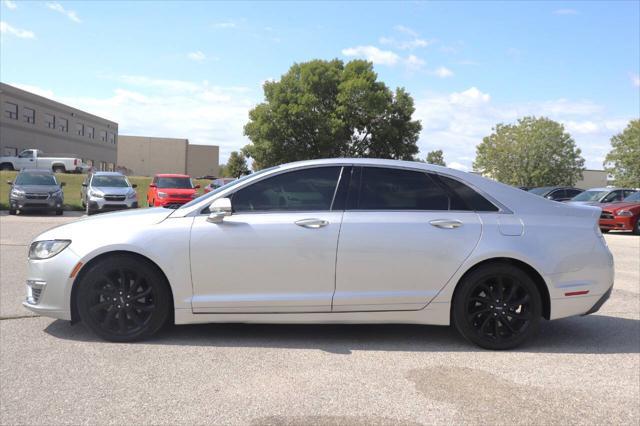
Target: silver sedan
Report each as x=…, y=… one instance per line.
x=331, y=241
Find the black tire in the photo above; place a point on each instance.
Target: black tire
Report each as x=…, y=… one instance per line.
x=6, y=166
x=604, y=231
x=59, y=212
x=58, y=169
x=636, y=229
x=497, y=307
x=123, y=299
x=12, y=212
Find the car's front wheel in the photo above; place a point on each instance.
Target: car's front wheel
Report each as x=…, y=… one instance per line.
x=497, y=306
x=636, y=229
x=122, y=299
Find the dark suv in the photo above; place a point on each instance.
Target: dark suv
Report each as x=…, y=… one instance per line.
x=36, y=190
x=556, y=193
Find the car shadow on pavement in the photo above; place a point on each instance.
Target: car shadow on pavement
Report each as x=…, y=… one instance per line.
x=594, y=334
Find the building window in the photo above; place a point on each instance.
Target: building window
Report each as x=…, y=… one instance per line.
x=103, y=166
x=112, y=138
x=29, y=115
x=11, y=110
x=50, y=120
x=91, y=132
x=80, y=129
x=63, y=125
x=103, y=135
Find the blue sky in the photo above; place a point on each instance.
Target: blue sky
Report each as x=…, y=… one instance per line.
x=194, y=69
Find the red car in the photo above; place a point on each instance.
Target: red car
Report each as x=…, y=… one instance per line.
x=622, y=216
x=171, y=190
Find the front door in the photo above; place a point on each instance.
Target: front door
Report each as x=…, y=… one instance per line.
x=402, y=239
x=276, y=252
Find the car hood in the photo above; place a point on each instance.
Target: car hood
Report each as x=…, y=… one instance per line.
x=116, y=223
x=621, y=206
x=113, y=190
x=177, y=191
x=37, y=189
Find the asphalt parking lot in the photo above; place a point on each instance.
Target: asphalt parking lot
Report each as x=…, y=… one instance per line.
x=582, y=370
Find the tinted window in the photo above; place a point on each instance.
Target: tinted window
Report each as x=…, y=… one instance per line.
x=614, y=196
x=589, y=195
x=396, y=189
x=35, y=179
x=302, y=190
x=557, y=194
x=109, y=181
x=466, y=198
x=573, y=192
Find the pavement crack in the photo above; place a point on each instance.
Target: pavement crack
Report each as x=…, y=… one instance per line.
x=13, y=317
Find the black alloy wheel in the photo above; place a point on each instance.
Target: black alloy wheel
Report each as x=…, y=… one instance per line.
x=497, y=307
x=636, y=229
x=123, y=299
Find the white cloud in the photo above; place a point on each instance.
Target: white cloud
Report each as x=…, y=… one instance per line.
x=34, y=89
x=458, y=166
x=406, y=30
x=413, y=42
x=373, y=54
x=565, y=12
x=71, y=14
x=414, y=63
x=199, y=111
x=635, y=80
x=197, y=56
x=457, y=122
x=443, y=72
x=225, y=24
x=5, y=28
x=10, y=4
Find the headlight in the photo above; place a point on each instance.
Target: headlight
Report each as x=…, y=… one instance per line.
x=57, y=193
x=17, y=193
x=194, y=195
x=96, y=194
x=132, y=194
x=47, y=249
x=625, y=213
x=162, y=195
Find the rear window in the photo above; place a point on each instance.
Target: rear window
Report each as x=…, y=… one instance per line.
x=466, y=198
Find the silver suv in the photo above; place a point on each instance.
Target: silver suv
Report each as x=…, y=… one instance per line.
x=107, y=191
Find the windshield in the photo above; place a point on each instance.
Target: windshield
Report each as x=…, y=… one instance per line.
x=633, y=198
x=590, y=196
x=110, y=181
x=175, y=182
x=35, y=179
x=540, y=191
x=224, y=187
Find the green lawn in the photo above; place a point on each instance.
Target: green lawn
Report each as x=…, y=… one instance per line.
x=73, y=185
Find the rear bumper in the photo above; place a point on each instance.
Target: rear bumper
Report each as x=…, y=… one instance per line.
x=624, y=223
x=600, y=302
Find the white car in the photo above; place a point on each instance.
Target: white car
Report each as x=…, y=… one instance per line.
x=331, y=241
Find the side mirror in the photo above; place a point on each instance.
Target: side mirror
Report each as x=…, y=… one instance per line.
x=219, y=209
x=135, y=185
x=63, y=184
x=197, y=187
x=9, y=182
x=84, y=184
x=153, y=185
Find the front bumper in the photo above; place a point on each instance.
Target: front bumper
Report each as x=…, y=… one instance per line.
x=172, y=201
x=49, y=203
x=100, y=204
x=49, y=285
x=619, y=223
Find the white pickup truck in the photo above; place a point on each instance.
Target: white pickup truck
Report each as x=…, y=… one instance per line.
x=36, y=159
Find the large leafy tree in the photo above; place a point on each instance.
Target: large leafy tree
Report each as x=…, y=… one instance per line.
x=623, y=161
x=436, y=157
x=321, y=109
x=236, y=165
x=532, y=152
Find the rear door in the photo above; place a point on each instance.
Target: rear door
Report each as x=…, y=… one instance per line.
x=403, y=235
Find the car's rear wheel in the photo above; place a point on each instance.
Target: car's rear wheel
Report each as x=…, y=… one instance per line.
x=497, y=306
x=59, y=169
x=604, y=231
x=636, y=229
x=123, y=299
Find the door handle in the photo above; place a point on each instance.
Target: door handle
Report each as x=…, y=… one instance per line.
x=446, y=223
x=312, y=223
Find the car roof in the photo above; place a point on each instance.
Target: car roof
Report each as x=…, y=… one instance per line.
x=38, y=171
x=610, y=189
x=107, y=174
x=172, y=175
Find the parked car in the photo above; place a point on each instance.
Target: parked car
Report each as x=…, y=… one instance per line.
x=171, y=190
x=595, y=196
x=36, y=159
x=556, y=193
x=330, y=241
x=217, y=183
x=108, y=191
x=36, y=190
x=622, y=216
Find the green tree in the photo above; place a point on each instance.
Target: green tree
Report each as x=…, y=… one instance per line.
x=222, y=170
x=322, y=109
x=436, y=157
x=623, y=161
x=532, y=152
x=236, y=165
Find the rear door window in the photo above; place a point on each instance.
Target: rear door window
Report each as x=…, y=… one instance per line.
x=466, y=198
